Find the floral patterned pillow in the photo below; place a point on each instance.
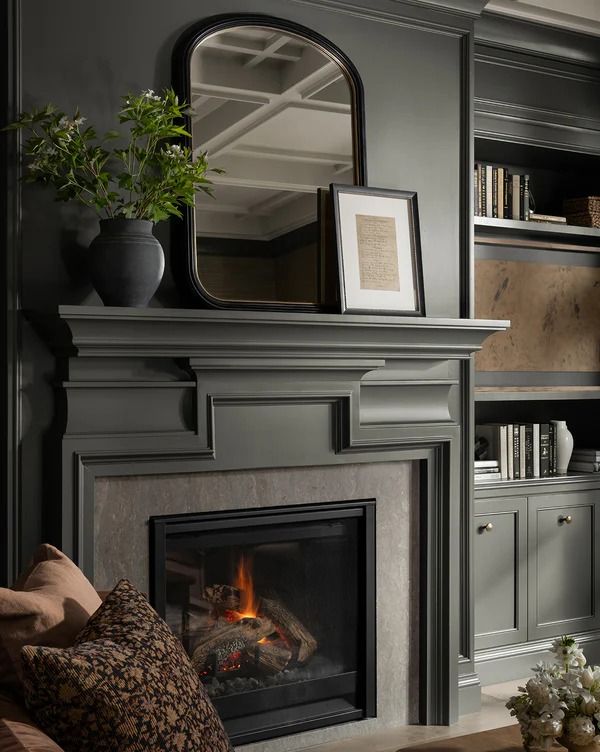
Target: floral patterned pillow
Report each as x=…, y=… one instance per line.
x=125, y=686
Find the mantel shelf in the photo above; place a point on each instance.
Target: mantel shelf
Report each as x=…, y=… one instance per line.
x=544, y=234
x=98, y=331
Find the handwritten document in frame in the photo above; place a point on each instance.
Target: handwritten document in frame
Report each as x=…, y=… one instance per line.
x=378, y=250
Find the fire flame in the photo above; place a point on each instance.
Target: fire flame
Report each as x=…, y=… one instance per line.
x=245, y=584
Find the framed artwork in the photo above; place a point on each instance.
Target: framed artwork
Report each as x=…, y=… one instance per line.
x=379, y=250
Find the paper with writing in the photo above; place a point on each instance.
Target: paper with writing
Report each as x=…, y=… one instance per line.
x=377, y=252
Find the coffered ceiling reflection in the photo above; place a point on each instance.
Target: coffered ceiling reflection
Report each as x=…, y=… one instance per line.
x=274, y=112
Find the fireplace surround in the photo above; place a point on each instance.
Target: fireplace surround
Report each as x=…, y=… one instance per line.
x=276, y=609
x=237, y=396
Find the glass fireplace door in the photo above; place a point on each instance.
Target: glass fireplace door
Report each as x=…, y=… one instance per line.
x=275, y=608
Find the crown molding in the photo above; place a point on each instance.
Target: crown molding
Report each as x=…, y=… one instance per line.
x=527, y=10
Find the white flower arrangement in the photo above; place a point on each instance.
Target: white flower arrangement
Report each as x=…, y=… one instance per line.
x=561, y=701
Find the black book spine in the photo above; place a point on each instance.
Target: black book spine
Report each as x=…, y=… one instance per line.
x=495, y=192
x=516, y=452
x=529, y=450
x=507, y=182
x=476, y=191
x=552, y=449
x=544, y=450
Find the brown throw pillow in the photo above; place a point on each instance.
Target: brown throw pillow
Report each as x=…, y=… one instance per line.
x=48, y=605
x=126, y=685
x=21, y=737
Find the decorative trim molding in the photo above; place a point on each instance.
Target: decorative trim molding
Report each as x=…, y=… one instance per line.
x=10, y=197
x=256, y=375
x=503, y=32
x=529, y=11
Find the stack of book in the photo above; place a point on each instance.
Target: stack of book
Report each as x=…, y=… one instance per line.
x=486, y=470
x=522, y=450
x=585, y=461
x=500, y=194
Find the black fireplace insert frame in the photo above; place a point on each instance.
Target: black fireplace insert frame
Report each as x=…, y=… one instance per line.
x=271, y=724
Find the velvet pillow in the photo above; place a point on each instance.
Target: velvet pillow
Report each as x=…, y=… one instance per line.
x=48, y=605
x=126, y=685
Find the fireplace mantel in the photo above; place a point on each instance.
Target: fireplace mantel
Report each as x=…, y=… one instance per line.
x=91, y=331
x=172, y=391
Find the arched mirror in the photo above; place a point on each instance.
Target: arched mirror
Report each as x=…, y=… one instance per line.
x=279, y=109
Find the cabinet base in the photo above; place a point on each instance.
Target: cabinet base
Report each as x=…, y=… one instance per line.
x=508, y=662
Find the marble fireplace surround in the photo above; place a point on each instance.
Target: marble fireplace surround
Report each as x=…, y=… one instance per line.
x=163, y=410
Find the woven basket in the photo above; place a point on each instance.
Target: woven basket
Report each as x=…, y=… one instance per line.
x=583, y=212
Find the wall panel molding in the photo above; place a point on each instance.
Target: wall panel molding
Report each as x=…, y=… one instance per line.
x=10, y=198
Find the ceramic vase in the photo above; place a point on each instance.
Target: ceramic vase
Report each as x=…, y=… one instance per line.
x=564, y=446
x=126, y=262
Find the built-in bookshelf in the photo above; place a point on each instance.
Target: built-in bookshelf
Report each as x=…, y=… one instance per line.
x=543, y=277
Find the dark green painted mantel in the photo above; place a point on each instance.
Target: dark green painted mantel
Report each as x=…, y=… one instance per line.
x=159, y=391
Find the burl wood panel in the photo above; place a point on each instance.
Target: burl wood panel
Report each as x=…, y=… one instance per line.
x=554, y=312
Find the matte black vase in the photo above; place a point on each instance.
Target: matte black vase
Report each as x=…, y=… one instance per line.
x=126, y=262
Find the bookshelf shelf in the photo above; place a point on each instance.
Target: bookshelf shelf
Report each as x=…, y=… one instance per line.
x=570, y=478
x=543, y=233
x=528, y=394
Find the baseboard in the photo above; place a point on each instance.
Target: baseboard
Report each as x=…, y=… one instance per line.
x=508, y=662
x=469, y=694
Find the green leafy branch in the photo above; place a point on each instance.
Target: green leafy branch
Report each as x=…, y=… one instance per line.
x=151, y=177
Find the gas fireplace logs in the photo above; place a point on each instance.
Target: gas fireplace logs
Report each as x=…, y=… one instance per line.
x=293, y=632
x=269, y=638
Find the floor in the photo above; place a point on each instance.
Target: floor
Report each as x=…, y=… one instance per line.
x=493, y=714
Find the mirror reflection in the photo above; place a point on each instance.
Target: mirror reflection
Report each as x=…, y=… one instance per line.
x=274, y=111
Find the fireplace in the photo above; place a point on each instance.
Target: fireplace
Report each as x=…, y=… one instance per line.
x=276, y=608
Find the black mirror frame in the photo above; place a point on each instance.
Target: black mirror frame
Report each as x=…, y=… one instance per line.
x=183, y=231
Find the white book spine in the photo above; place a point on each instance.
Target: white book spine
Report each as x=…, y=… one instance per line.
x=510, y=448
x=503, y=452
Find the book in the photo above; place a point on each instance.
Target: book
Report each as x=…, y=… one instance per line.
x=525, y=197
x=516, y=451
x=529, y=450
x=584, y=467
x=482, y=190
x=593, y=455
x=489, y=191
x=553, y=456
x=521, y=450
x=491, y=445
x=487, y=477
x=500, y=202
x=536, y=449
x=544, y=450
x=495, y=192
x=480, y=464
x=507, y=198
x=486, y=470
x=510, y=454
x=476, y=192
x=555, y=219
x=515, y=211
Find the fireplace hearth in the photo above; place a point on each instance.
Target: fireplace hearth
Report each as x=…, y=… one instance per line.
x=276, y=608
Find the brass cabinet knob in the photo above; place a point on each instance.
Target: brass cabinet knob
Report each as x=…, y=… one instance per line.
x=565, y=518
x=486, y=528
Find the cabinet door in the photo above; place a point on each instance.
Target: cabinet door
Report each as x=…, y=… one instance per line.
x=500, y=571
x=564, y=565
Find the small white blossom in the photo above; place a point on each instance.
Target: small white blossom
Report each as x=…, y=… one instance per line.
x=149, y=94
